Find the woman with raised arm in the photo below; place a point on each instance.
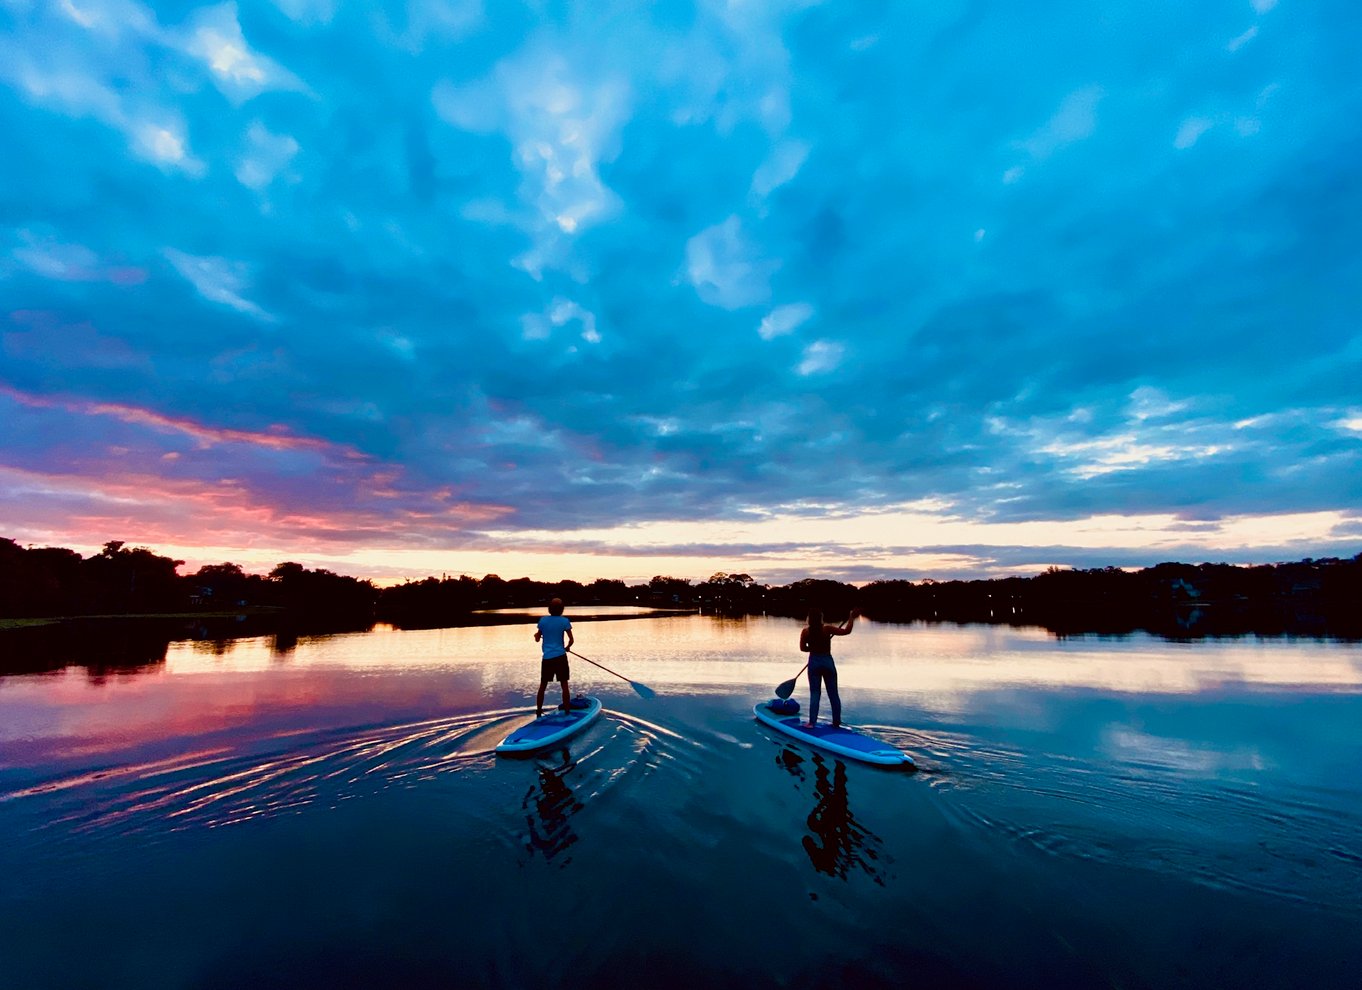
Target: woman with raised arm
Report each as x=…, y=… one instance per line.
x=815, y=639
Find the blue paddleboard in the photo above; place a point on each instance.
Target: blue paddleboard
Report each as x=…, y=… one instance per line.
x=841, y=740
x=549, y=729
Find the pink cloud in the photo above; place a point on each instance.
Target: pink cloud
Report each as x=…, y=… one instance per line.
x=277, y=437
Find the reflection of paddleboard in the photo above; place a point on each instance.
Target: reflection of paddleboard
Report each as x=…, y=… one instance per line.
x=841, y=740
x=550, y=729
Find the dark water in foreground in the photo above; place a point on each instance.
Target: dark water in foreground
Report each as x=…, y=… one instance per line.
x=1125, y=813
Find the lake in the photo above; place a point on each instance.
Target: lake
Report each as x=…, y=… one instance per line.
x=327, y=812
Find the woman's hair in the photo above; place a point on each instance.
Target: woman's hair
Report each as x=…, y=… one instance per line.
x=816, y=618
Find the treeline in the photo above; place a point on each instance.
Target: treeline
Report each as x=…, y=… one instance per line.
x=1314, y=597
x=52, y=581
x=1311, y=597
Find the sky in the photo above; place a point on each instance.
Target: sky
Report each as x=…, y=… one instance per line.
x=897, y=289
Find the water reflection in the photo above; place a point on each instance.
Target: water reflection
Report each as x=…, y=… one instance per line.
x=550, y=805
x=101, y=648
x=285, y=642
x=837, y=843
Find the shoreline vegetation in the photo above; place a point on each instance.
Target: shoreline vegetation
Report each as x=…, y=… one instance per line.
x=123, y=606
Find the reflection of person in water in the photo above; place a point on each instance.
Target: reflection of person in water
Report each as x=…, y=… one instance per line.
x=553, y=806
x=837, y=841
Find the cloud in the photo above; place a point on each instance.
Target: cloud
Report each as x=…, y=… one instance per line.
x=563, y=120
x=725, y=269
x=1075, y=120
x=216, y=279
x=540, y=326
x=265, y=157
x=308, y=11
x=747, y=261
x=821, y=356
x=783, y=320
x=43, y=254
x=1190, y=131
x=1240, y=40
x=214, y=37
x=778, y=169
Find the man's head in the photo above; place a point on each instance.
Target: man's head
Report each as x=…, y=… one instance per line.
x=556, y=607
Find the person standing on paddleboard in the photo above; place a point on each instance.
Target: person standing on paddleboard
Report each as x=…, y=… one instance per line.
x=815, y=639
x=554, y=665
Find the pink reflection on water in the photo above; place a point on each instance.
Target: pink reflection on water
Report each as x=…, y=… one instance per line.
x=66, y=718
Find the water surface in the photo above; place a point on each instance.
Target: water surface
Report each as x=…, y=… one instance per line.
x=1089, y=812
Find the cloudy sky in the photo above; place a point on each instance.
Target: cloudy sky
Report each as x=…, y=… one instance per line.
x=896, y=289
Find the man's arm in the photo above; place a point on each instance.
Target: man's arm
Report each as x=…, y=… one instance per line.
x=804, y=640
x=570, y=639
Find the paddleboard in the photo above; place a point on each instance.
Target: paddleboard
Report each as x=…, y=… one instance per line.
x=842, y=740
x=549, y=729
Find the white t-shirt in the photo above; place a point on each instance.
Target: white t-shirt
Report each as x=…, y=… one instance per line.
x=551, y=628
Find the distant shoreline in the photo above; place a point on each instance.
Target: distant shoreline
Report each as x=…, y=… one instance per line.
x=53, y=588
x=480, y=617
x=48, y=620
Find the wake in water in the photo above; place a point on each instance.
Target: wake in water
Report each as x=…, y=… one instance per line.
x=256, y=778
x=288, y=773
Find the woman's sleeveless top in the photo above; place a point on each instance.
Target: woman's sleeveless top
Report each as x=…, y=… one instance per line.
x=819, y=641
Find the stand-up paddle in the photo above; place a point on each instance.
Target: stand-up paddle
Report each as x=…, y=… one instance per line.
x=785, y=688
x=642, y=690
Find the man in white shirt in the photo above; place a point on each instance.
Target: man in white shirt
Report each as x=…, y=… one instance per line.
x=554, y=665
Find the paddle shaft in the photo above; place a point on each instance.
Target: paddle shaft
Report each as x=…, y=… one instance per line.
x=601, y=665
x=642, y=690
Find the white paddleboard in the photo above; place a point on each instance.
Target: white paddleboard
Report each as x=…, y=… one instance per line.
x=842, y=740
x=549, y=729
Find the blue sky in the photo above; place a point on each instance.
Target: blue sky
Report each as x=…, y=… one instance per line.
x=859, y=290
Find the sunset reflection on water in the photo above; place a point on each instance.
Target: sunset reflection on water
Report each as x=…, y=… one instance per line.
x=301, y=784
x=212, y=686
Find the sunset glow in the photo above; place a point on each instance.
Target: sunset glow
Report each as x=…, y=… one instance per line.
x=784, y=289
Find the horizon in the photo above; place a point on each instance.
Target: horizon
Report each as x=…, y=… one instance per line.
x=792, y=290
x=190, y=568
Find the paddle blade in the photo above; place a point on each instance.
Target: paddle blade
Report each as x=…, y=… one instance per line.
x=643, y=690
x=786, y=688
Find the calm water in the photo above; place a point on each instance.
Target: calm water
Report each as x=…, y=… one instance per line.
x=1088, y=813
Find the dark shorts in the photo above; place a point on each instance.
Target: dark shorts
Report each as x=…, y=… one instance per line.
x=553, y=669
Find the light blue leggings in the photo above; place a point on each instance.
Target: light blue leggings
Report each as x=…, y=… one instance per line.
x=823, y=671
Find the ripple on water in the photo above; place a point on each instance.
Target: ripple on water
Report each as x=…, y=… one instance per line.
x=569, y=779
x=261, y=777
x=1152, y=817
x=289, y=773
